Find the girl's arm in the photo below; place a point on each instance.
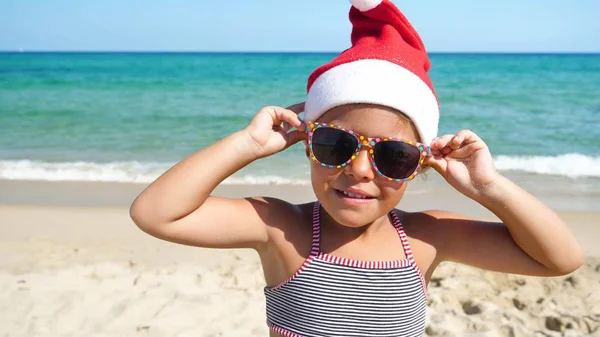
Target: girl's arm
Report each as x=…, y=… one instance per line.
x=534, y=227
x=532, y=239
x=178, y=207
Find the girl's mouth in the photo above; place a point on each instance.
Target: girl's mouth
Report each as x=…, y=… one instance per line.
x=353, y=198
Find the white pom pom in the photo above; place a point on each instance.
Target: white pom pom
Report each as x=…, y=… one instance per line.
x=365, y=5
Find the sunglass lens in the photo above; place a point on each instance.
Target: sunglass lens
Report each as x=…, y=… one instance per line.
x=333, y=146
x=395, y=159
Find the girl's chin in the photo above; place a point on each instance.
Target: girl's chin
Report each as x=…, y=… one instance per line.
x=352, y=216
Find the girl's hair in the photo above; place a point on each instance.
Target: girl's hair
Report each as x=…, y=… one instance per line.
x=409, y=122
x=406, y=121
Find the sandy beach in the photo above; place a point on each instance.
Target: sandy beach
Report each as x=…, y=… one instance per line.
x=73, y=264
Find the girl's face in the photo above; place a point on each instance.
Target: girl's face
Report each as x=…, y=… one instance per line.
x=359, y=176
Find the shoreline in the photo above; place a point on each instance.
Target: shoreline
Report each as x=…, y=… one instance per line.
x=64, y=197
x=429, y=192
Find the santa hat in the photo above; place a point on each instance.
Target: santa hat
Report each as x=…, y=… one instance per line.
x=386, y=65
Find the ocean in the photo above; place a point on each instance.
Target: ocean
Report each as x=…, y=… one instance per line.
x=127, y=117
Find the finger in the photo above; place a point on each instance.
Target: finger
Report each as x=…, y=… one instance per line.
x=445, y=151
x=294, y=137
x=298, y=108
x=468, y=136
x=463, y=152
x=287, y=127
x=462, y=138
x=441, y=142
x=433, y=147
x=438, y=163
x=466, y=150
x=472, y=139
x=281, y=115
x=456, y=142
x=443, y=145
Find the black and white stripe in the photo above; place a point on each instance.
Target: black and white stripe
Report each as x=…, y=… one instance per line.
x=333, y=297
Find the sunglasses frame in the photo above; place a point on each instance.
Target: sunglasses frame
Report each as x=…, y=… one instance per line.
x=424, y=150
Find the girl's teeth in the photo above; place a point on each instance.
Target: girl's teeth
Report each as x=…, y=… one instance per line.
x=352, y=195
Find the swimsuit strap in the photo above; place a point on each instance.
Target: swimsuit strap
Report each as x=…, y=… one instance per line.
x=405, y=244
x=316, y=229
x=316, y=233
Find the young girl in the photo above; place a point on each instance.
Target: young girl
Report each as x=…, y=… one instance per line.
x=350, y=264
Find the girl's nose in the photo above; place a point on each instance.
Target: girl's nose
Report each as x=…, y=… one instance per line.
x=361, y=168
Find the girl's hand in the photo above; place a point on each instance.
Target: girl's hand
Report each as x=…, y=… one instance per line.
x=269, y=131
x=465, y=161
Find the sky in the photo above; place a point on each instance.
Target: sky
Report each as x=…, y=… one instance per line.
x=284, y=25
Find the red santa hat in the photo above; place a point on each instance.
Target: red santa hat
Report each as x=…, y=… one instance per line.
x=386, y=65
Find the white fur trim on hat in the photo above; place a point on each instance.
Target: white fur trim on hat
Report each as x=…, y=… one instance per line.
x=365, y=5
x=376, y=82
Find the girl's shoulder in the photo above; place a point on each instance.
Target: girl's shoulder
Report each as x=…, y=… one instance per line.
x=289, y=228
x=430, y=226
x=286, y=217
x=453, y=235
x=427, y=218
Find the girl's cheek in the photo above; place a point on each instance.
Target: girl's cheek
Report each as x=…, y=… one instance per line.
x=392, y=186
x=320, y=172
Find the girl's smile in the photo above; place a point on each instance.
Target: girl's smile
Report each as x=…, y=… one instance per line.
x=354, y=197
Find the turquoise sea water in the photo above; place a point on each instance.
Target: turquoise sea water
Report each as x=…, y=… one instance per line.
x=129, y=116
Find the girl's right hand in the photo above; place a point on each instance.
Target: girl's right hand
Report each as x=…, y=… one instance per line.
x=269, y=131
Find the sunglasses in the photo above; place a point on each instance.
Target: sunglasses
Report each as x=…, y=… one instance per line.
x=334, y=147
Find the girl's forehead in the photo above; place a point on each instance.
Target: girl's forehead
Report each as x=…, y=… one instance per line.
x=370, y=121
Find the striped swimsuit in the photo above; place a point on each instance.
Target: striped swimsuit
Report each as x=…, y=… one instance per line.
x=336, y=296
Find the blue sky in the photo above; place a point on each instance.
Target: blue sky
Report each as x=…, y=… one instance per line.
x=283, y=25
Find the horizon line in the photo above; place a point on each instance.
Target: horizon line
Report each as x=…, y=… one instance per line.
x=24, y=51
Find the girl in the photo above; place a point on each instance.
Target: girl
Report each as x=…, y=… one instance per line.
x=350, y=264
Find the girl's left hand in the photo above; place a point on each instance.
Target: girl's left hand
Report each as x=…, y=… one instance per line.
x=465, y=161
